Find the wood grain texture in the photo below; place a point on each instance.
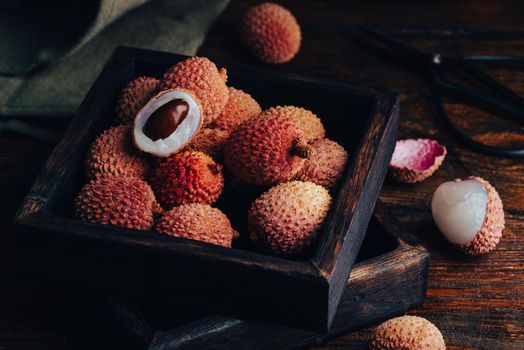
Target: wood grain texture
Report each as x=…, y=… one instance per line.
x=389, y=278
x=302, y=293
x=478, y=303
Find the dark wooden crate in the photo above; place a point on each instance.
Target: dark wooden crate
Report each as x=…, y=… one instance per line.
x=238, y=282
x=379, y=288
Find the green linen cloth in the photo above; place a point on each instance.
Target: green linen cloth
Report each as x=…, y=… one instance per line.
x=57, y=72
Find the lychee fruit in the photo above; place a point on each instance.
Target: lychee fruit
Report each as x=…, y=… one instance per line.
x=326, y=164
x=117, y=201
x=414, y=160
x=266, y=151
x=407, y=333
x=307, y=121
x=469, y=214
x=167, y=123
x=271, y=33
x=210, y=141
x=133, y=97
x=199, y=222
x=240, y=107
x=187, y=177
x=112, y=153
x=286, y=219
x=201, y=76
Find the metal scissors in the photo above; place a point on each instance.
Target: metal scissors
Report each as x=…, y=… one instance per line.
x=442, y=72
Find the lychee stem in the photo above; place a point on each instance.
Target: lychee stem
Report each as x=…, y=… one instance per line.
x=302, y=149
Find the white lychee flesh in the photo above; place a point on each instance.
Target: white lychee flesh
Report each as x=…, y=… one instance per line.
x=182, y=135
x=459, y=209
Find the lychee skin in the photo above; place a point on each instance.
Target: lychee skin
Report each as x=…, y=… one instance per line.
x=187, y=177
x=488, y=236
x=199, y=222
x=133, y=97
x=117, y=201
x=271, y=33
x=239, y=108
x=112, y=153
x=286, y=219
x=326, y=164
x=210, y=142
x=266, y=151
x=202, y=77
x=407, y=333
x=306, y=121
x=414, y=160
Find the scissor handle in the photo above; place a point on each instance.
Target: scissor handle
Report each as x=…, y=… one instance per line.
x=435, y=88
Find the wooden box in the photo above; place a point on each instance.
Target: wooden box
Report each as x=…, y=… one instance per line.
x=389, y=277
x=238, y=282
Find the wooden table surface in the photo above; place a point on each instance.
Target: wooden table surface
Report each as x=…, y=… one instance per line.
x=477, y=302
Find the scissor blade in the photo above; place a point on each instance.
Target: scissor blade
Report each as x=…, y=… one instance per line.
x=408, y=52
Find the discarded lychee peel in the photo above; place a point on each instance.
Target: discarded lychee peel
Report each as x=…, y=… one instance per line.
x=414, y=160
x=181, y=136
x=488, y=236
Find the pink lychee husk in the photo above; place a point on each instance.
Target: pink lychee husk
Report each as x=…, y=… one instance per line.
x=414, y=160
x=488, y=236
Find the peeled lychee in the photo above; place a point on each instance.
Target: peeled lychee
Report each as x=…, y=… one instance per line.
x=187, y=177
x=117, y=201
x=240, y=107
x=306, y=121
x=210, y=141
x=271, y=33
x=200, y=76
x=266, y=151
x=286, y=219
x=199, y=222
x=326, y=164
x=407, y=333
x=112, y=153
x=416, y=160
x=469, y=214
x=133, y=97
x=167, y=123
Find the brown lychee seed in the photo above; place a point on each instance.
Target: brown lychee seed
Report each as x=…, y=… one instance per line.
x=167, y=122
x=326, y=164
x=200, y=76
x=469, y=214
x=199, y=222
x=407, y=333
x=286, y=219
x=117, y=201
x=414, y=160
x=133, y=97
x=239, y=108
x=271, y=33
x=306, y=121
x=112, y=153
x=210, y=141
x=266, y=151
x=187, y=177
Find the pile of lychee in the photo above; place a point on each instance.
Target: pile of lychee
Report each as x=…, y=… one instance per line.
x=179, y=139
